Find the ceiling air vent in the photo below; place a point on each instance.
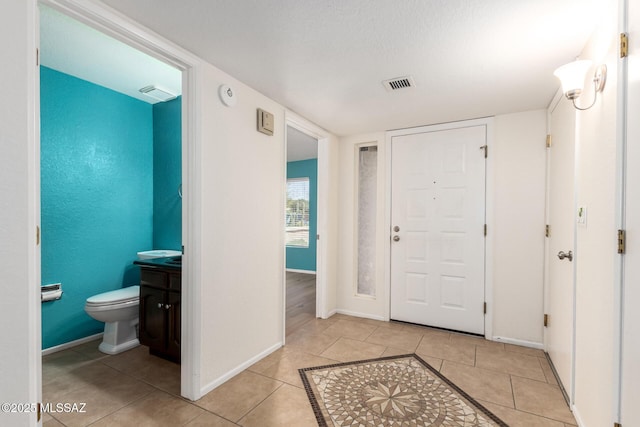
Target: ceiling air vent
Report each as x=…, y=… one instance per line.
x=399, y=83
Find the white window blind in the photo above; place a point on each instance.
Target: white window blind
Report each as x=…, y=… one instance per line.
x=297, y=213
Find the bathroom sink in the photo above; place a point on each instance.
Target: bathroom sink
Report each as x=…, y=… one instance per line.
x=159, y=253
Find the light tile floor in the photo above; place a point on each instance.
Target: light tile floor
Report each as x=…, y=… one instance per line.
x=136, y=389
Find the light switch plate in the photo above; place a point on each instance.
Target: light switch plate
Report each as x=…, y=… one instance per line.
x=265, y=122
x=582, y=216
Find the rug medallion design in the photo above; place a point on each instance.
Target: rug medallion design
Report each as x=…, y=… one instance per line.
x=396, y=391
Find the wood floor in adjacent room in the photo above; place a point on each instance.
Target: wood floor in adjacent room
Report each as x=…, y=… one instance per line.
x=301, y=300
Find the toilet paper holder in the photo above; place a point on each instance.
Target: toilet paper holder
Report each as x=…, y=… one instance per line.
x=51, y=292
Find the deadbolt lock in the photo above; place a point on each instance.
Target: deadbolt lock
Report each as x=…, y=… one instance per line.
x=396, y=228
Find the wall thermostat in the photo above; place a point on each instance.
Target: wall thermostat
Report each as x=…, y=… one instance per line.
x=227, y=95
x=265, y=122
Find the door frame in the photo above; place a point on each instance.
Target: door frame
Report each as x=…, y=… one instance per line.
x=625, y=273
x=488, y=123
x=322, y=213
x=127, y=31
x=567, y=389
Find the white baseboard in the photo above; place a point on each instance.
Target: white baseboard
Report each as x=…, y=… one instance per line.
x=523, y=343
x=235, y=371
x=331, y=313
x=70, y=344
x=293, y=270
x=576, y=415
x=363, y=315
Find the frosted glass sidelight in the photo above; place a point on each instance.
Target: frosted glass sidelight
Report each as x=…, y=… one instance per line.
x=367, y=188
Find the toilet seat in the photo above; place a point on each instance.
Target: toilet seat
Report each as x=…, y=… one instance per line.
x=124, y=296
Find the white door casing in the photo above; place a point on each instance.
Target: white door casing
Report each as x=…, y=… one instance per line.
x=114, y=25
x=630, y=351
x=438, y=206
x=559, y=333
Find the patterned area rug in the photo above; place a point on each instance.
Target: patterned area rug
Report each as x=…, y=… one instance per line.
x=396, y=391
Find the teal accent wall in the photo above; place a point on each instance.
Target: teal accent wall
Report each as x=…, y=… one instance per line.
x=305, y=258
x=96, y=196
x=167, y=175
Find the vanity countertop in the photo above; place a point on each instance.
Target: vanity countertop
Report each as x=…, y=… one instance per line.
x=172, y=262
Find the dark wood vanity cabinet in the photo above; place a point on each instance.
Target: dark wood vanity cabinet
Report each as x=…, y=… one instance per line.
x=160, y=311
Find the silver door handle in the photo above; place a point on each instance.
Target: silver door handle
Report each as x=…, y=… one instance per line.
x=568, y=255
x=396, y=238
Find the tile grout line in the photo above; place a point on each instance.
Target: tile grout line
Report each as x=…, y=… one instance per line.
x=260, y=403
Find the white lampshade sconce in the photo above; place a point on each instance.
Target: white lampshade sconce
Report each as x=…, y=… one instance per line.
x=572, y=77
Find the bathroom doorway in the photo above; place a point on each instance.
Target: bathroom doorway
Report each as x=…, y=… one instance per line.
x=118, y=201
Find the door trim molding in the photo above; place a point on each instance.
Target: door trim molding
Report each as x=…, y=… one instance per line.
x=488, y=123
x=322, y=214
x=122, y=28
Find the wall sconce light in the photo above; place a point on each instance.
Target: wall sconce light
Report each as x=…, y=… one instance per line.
x=572, y=77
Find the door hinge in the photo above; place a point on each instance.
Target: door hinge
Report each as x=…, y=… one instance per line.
x=37, y=57
x=39, y=411
x=486, y=150
x=317, y=237
x=547, y=230
x=548, y=143
x=546, y=320
x=37, y=235
x=182, y=249
x=484, y=308
x=485, y=229
x=622, y=241
x=624, y=45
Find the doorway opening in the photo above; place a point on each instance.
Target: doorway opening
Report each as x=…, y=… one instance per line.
x=301, y=229
x=106, y=35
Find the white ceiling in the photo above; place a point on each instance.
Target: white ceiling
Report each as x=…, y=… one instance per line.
x=73, y=48
x=300, y=146
x=325, y=59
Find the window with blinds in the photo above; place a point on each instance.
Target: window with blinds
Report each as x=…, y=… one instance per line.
x=297, y=213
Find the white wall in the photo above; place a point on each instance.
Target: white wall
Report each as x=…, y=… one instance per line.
x=19, y=168
x=242, y=255
x=242, y=201
x=596, y=252
x=328, y=199
x=519, y=169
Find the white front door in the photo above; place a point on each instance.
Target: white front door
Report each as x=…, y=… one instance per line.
x=437, y=220
x=560, y=287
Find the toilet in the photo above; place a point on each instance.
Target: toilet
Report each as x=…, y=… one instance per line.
x=119, y=311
